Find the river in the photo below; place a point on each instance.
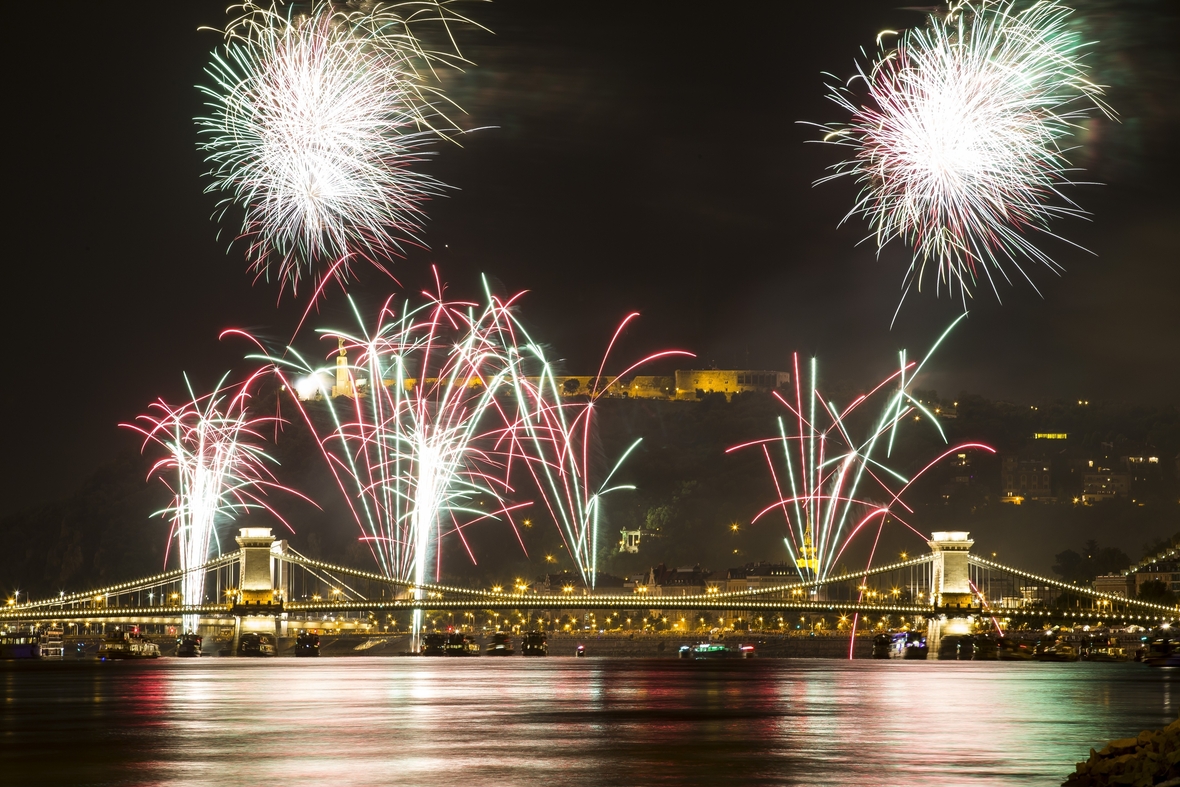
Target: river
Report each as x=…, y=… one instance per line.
x=565, y=721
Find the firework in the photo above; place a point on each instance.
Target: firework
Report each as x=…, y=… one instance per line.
x=830, y=485
x=960, y=147
x=434, y=410
x=413, y=426
x=317, y=123
x=214, y=466
x=556, y=436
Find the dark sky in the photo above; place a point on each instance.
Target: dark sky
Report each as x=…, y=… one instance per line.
x=641, y=156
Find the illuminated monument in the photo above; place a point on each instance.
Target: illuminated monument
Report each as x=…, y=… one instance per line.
x=258, y=607
x=950, y=586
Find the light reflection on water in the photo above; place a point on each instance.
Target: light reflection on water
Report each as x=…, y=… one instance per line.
x=556, y=721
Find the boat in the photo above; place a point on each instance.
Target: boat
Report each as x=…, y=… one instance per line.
x=1171, y=660
x=19, y=645
x=252, y=644
x=433, y=644
x=501, y=644
x=459, y=644
x=307, y=644
x=960, y=647
x=535, y=643
x=715, y=650
x=188, y=646
x=1104, y=649
x=52, y=646
x=1053, y=648
x=580, y=651
x=127, y=645
x=881, y=646
x=987, y=647
x=1008, y=649
x=908, y=645
x=1163, y=649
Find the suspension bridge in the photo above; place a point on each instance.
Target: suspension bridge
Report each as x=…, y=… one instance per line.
x=265, y=586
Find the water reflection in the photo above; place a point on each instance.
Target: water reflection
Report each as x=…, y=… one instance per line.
x=567, y=721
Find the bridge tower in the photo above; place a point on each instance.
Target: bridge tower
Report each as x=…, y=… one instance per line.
x=256, y=572
x=258, y=606
x=950, y=587
x=951, y=583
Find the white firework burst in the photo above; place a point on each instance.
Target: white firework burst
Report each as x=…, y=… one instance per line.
x=317, y=123
x=961, y=144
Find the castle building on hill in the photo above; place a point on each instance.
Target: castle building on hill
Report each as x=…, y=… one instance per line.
x=682, y=385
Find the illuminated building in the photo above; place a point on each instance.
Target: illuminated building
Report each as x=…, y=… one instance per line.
x=1025, y=479
x=683, y=385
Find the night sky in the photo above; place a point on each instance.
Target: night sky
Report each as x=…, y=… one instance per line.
x=631, y=156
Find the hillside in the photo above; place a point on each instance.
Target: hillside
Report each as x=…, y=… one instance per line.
x=687, y=487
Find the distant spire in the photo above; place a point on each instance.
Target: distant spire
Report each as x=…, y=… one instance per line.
x=343, y=386
x=807, y=558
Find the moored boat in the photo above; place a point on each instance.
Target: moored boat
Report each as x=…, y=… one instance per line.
x=189, y=645
x=1163, y=649
x=715, y=650
x=433, y=644
x=459, y=644
x=258, y=645
x=307, y=644
x=908, y=645
x=534, y=643
x=128, y=645
x=1008, y=649
x=1052, y=648
x=1104, y=649
x=52, y=646
x=956, y=647
x=501, y=645
x=20, y=645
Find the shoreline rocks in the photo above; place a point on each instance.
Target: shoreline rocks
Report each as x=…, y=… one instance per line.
x=1151, y=759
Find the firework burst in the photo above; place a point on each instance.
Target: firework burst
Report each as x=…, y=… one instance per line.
x=435, y=412
x=215, y=466
x=317, y=123
x=556, y=435
x=960, y=147
x=830, y=485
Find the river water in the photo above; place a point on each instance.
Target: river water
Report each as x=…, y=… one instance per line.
x=564, y=721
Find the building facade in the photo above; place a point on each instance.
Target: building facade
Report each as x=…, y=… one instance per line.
x=1026, y=479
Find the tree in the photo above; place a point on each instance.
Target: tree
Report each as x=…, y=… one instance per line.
x=1070, y=565
x=1094, y=561
x=1155, y=547
x=1156, y=592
